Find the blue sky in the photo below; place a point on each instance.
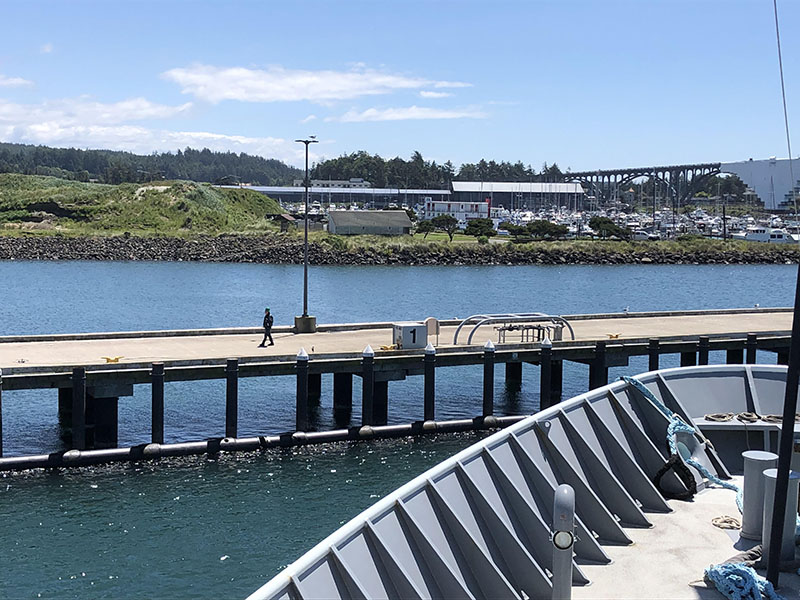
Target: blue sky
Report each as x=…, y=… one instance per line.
x=586, y=84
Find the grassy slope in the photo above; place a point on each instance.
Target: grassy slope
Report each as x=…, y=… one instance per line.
x=47, y=204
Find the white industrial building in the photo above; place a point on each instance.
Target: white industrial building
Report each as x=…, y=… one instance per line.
x=769, y=178
x=519, y=194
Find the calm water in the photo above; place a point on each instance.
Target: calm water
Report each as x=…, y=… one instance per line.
x=210, y=527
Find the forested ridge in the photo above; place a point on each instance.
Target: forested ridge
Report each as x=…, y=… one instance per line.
x=111, y=166
x=115, y=167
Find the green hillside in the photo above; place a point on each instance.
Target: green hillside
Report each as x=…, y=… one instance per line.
x=49, y=204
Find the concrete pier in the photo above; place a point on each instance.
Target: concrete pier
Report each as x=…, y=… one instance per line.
x=90, y=385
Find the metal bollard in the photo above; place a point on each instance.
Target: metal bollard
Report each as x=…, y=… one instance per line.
x=367, y=385
x=563, y=541
x=545, y=373
x=430, y=383
x=488, y=378
x=157, y=403
x=790, y=514
x=232, y=398
x=755, y=463
x=301, y=408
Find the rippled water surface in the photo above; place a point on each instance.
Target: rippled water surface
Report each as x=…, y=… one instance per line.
x=211, y=527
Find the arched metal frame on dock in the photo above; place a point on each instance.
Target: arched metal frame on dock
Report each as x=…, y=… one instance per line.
x=487, y=319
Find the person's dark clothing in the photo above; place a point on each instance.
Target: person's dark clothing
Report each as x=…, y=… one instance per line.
x=268, y=320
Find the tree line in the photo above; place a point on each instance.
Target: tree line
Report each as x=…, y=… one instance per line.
x=111, y=166
x=418, y=173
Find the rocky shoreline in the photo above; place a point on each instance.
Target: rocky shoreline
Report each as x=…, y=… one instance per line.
x=277, y=249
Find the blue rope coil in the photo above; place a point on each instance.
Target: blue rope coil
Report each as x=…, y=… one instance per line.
x=678, y=425
x=737, y=581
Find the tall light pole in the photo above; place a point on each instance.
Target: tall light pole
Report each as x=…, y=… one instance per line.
x=305, y=323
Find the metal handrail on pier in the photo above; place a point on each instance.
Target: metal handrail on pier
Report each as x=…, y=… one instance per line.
x=509, y=318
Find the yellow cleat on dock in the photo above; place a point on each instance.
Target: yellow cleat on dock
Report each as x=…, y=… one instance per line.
x=112, y=359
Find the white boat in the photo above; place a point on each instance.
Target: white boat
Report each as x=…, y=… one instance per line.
x=480, y=524
x=770, y=235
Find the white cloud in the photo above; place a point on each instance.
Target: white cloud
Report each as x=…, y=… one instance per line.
x=46, y=48
x=85, y=124
x=274, y=84
x=408, y=113
x=81, y=111
x=13, y=81
x=308, y=119
x=427, y=94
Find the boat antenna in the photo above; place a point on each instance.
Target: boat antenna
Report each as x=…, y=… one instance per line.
x=792, y=376
x=785, y=113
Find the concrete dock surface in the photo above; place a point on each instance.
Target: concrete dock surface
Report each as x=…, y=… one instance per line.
x=19, y=354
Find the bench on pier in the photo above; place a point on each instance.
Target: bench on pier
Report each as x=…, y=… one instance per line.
x=531, y=332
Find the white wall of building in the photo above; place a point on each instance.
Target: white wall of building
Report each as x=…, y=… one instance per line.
x=769, y=178
x=463, y=211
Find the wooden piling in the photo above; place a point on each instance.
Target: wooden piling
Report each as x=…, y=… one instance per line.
x=429, y=409
x=688, y=359
x=232, y=398
x=157, y=403
x=514, y=373
x=703, y=346
x=367, y=385
x=314, y=386
x=653, y=353
x=734, y=356
x=545, y=375
x=79, y=408
x=1, y=413
x=301, y=406
x=380, y=403
x=342, y=392
x=556, y=380
x=598, y=368
x=751, y=345
x=488, y=379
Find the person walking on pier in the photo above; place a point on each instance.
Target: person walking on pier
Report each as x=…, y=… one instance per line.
x=268, y=320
